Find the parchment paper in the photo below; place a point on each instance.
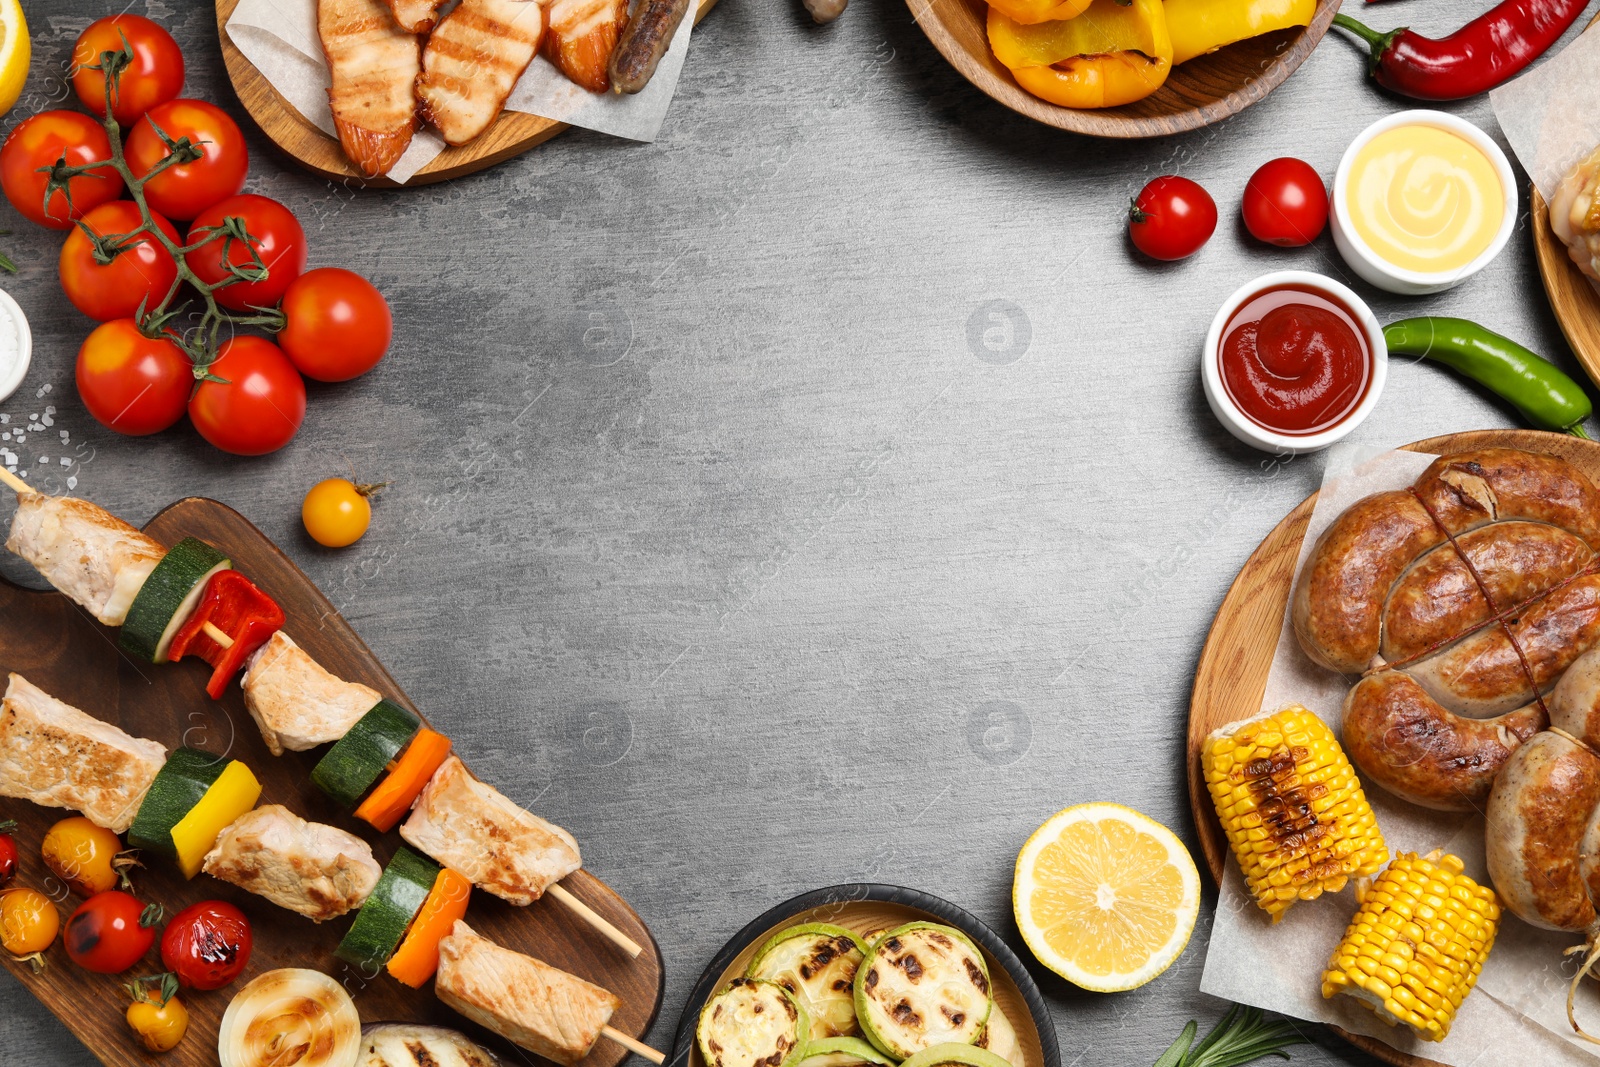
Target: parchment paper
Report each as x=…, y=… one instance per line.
x=1517, y=1013
x=280, y=38
x=1551, y=115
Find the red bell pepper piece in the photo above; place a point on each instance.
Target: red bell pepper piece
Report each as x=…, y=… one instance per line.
x=231, y=603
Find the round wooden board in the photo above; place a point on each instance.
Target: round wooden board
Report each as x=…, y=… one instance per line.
x=1572, y=298
x=1232, y=674
x=1196, y=94
x=512, y=134
x=867, y=909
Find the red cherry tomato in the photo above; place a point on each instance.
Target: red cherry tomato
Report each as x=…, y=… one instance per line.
x=107, y=934
x=261, y=405
x=41, y=140
x=1285, y=203
x=338, y=324
x=207, y=945
x=131, y=383
x=8, y=853
x=276, y=236
x=143, y=272
x=153, y=75
x=1172, y=218
x=183, y=190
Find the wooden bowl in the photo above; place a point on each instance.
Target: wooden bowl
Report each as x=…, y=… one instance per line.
x=868, y=909
x=1196, y=94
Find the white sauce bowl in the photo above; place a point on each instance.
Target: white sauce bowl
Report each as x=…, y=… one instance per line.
x=1243, y=426
x=1379, y=271
x=16, y=345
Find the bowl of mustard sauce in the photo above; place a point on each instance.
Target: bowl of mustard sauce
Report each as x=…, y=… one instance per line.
x=1422, y=201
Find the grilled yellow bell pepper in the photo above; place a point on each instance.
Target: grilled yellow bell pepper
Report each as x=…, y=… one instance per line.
x=1199, y=27
x=1112, y=54
x=1029, y=12
x=230, y=796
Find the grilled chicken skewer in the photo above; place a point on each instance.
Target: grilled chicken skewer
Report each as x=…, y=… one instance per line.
x=374, y=64
x=473, y=60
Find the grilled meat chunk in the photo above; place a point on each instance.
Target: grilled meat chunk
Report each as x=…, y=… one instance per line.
x=53, y=754
x=473, y=59
x=320, y=871
x=297, y=704
x=583, y=35
x=472, y=827
x=85, y=551
x=374, y=64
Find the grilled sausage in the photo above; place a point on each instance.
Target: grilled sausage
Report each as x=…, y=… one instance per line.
x=1575, y=702
x=1539, y=815
x=645, y=39
x=1403, y=740
x=1468, y=489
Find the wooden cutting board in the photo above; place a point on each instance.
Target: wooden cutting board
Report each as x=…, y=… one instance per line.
x=57, y=646
x=1232, y=675
x=512, y=134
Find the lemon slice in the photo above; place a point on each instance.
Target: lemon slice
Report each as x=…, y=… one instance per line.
x=16, y=52
x=1105, y=897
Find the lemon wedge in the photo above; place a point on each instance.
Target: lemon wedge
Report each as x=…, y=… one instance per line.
x=16, y=52
x=1105, y=897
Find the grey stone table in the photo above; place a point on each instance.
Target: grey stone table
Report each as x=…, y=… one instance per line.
x=824, y=492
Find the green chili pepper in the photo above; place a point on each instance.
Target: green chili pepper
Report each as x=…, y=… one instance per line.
x=1537, y=388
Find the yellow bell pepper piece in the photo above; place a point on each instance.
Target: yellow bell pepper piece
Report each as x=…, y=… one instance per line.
x=233, y=793
x=1200, y=27
x=1029, y=12
x=1110, y=55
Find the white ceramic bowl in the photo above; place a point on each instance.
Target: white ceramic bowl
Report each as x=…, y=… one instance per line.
x=16, y=345
x=1247, y=429
x=1380, y=272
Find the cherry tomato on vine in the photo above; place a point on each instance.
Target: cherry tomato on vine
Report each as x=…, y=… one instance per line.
x=207, y=945
x=143, y=272
x=338, y=324
x=259, y=408
x=276, y=236
x=29, y=921
x=132, y=383
x=183, y=190
x=1285, y=203
x=39, y=141
x=153, y=76
x=336, y=512
x=82, y=854
x=1172, y=218
x=8, y=852
x=110, y=932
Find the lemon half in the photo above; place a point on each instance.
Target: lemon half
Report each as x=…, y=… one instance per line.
x=16, y=52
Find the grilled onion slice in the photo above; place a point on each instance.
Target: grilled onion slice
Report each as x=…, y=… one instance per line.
x=290, y=1017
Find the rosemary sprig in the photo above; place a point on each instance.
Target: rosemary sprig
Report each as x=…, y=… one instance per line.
x=1242, y=1036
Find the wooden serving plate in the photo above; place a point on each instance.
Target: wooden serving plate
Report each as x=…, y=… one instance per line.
x=869, y=909
x=1572, y=298
x=1200, y=92
x=57, y=646
x=512, y=134
x=1232, y=675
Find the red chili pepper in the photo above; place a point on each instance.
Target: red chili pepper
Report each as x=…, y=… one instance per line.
x=1476, y=58
x=231, y=603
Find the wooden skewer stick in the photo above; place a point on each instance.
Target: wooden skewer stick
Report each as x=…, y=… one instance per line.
x=21, y=487
x=217, y=635
x=615, y=936
x=633, y=1046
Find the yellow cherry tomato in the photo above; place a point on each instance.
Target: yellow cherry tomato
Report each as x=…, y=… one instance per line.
x=82, y=855
x=159, y=1027
x=29, y=921
x=336, y=512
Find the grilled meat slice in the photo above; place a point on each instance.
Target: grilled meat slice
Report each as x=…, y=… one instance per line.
x=53, y=754
x=472, y=827
x=416, y=16
x=85, y=551
x=374, y=64
x=1575, y=214
x=319, y=871
x=473, y=59
x=583, y=34
x=526, y=1001
x=297, y=704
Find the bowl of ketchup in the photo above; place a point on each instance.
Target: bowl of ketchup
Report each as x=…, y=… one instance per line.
x=1293, y=362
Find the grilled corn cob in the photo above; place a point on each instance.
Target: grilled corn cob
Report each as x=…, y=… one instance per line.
x=1417, y=944
x=1291, y=806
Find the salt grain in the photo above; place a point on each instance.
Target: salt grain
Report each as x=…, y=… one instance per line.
x=72, y=482
x=66, y=461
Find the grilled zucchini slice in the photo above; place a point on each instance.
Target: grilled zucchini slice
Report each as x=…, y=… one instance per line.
x=921, y=985
x=844, y=1052
x=817, y=964
x=752, y=1024
x=1000, y=1037
x=955, y=1055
